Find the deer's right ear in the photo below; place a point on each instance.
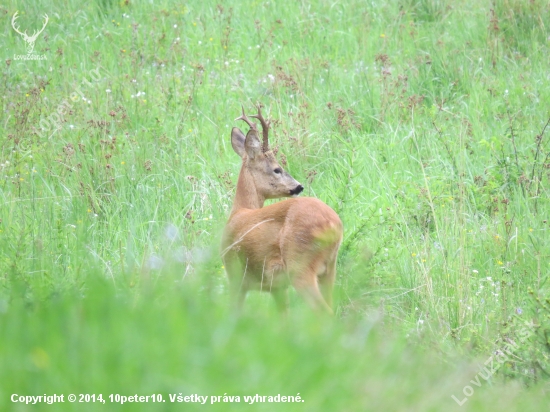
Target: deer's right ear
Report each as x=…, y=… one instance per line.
x=237, y=141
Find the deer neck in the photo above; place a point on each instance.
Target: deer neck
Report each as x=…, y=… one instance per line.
x=247, y=197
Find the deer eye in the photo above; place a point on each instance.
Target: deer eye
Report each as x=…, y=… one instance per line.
x=278, y=170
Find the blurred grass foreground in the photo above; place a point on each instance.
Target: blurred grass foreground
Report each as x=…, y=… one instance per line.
x=423, y=123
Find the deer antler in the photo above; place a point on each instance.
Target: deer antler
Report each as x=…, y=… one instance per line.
x=15, y=16
x=35, y=35
x=265, y=129
x=247, y=120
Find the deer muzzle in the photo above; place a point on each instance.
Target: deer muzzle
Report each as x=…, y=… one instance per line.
x=297, y=190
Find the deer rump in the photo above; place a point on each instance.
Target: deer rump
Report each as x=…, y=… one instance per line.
x=292, y=242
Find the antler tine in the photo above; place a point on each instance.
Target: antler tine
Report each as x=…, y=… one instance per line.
x=37, y=32
x=13, y=19
x=247, y=120
x=265, y=128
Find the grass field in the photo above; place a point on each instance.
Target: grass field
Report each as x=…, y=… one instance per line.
x=423, y=123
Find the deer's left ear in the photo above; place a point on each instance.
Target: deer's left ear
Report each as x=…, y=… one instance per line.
x=237, y=141
x=252, y=144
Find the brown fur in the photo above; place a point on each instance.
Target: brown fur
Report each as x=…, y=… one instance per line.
x=293, y=242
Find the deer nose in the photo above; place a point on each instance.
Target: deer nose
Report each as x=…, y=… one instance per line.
x=297, y=190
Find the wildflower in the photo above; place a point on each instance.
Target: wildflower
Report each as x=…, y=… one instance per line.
x=530, y=229
x=155, y=262
x=211, y=39
x=122, y=163
x=107, y=90
x=182, y=255
x=489, y=278
x=382, y=35
x=519, y=311
x=171, y=232
x=175, y=26
x=413, y=254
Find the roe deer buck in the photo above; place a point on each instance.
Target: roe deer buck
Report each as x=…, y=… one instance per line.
x=293, y=242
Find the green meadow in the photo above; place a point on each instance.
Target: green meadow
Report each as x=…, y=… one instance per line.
x=423, y=123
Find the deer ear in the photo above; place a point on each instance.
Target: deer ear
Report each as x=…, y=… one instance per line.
x=237, y=141
x=252, y=144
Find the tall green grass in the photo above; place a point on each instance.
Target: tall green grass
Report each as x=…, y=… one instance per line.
x=424, y=124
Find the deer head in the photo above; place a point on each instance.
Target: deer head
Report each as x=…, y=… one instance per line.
x=260, y=168
x=29, y=39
